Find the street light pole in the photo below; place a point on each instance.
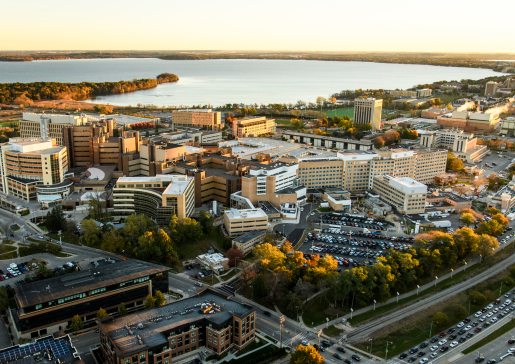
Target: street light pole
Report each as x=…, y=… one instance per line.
x=397, y=297
x=431, y=328
x=319, y=333
x=371, y=343
x=436, y=280
x=281, y=320
x=452, y=270
x=375, y=304
x=386, y=356
x=417, y=288
x=351, y=311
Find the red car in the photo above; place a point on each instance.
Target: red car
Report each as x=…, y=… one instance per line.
x=442, y=334
x=478, y=329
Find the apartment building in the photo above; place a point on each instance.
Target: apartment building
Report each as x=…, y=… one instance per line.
x=158, y=197
x=368, y=111
x=48, y=306
x=403, y=193
x=329, y=142
x=276, y=183
x=491, y=88
x=209, y=318
x=462, y=144
x=252, y=127
x=424, y=92
x=51, y=126
x=246, y=242
x=238, y=222
x=28, y=162
x=198, y=118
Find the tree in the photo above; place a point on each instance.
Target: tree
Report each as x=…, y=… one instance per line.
x=486, y=245
x=149, y=302
x=458, y=311
x=159, y=299
x=478, y=298
x=492, y=211
x=295, y=123
x=234, y=255
x=306, y=355
x=269, y=256
x=206, y=221
x=71, y=226
x=55, y=219
x=98, y=211
x=4, y=300
x=501, y=219
x=440, y=319
x=287, y=247
x=102, y=313
x=491, y=227
x=76, y=323
x=91, y=232
x=122, y=310
x=468, y=219
x=113, y=242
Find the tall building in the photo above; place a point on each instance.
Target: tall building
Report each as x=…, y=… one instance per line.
x=29, y=162
x=158, y=197
x=464, y=145
x=48, y=125
x=48, y=306
x=252, y=127
x=368, y=111
x=491, y=88
x=198, y=118
x=405, y=194
x=209, y=318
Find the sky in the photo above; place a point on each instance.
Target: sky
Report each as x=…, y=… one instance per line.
x=342, y=25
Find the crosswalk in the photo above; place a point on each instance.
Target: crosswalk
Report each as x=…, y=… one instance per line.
x=297, y=339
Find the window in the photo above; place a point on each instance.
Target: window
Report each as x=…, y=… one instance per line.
x=215, y=342
x=210, y=340
x=142, y=356
x=193, y=341
x=127, y=361
x=167, y=361
x=193, y=334
x=38, y=307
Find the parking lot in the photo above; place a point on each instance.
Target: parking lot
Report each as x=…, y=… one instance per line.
x=502, y=161
x=15, y=274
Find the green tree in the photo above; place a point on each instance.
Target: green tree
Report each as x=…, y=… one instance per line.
x=91, y=232
x=159, y=299
x=149, y=302
x=458, y=311
x=102, y=313
x=113, y=242
x=306, y=355
x=295, y=123
x=486, y=245
x=478, y=298
x=491, y=227
x=440, y=319
x=55, y=219
x=492, y=211
x=122, y=310
x=468, y=219
x=206, y=221
x=77, y=323
x=98, y=211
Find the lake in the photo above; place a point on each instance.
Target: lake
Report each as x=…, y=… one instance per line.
x=218, y=82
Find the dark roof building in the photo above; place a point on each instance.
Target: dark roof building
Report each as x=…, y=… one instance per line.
x=211, y=319
x=47, y=306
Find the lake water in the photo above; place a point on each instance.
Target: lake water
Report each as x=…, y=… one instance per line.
x=218, y=82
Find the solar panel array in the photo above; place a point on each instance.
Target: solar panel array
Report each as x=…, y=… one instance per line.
x=59, y=349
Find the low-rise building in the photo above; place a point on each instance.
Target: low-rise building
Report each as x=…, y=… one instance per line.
x=198, y=118
x=238, y=222
x=447, y=202
x=469, y=121
x=403, y=193
x=328, y=142
x=424, y=92
x=51, y=126
x=209, y=318
x=338, y=200
x=158, y=197
x=248, y=241
x=252, y=127
x=45, y=307
x=216, y=262
x=463, y=145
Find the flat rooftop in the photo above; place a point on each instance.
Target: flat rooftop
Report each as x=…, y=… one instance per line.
x=333, y=139
x=61, y=347
x=50, y=289
x=249, y=236
x=153, y=326
x=268, y=208
x=157, y=178
x=448, y=195
x=245, y=213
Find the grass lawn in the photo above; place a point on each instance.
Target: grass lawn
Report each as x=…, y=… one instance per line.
x=491, y=337
x=208, y=280
x=10, y=255
x=325, y=209
x=270, y=339
x=229, y=275
x=15, y=227
x=4, y=248
x=252, y=346
x=317, y=310
x=190, y=251
x=8, y=242
x=332, y=331
x=66, y=237
x=348, y=111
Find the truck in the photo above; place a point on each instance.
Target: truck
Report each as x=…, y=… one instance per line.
x=444, y=224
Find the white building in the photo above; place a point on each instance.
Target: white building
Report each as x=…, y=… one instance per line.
x=405, y=194
x=463, y=145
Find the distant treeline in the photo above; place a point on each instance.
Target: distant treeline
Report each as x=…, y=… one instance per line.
x=473, y=60
x=27, y=93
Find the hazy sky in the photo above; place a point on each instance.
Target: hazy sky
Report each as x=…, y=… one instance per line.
x=343, y=25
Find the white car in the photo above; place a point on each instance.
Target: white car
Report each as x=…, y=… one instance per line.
x=461, y=324
x=489, y=314
x=490, y=306
x=434, y=355
x=443, y=341
x=494, y=320
x=478, y=313
x=468, y=328
x=423, y=360
x=434, y=347
x=507, y=302
x=496, y=310
x=454, y=344
x=312, y=214
x=482, y=318
x=304, y=342
x=511, y=350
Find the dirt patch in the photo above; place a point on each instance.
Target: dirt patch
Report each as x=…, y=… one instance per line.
x=67, y=105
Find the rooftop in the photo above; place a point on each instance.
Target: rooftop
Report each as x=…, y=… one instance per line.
x=268, y=208
x=55, y=288
x=341, y=140
x=245, y=213
x=147, y=329
x=249, y=236
x=62, y=349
